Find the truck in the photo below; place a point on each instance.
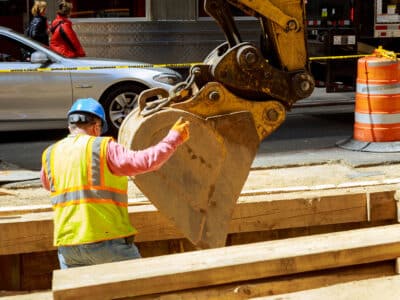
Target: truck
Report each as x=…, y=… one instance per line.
x=341, y=30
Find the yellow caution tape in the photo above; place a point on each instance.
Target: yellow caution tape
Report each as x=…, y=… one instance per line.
x=338, y=57
x=44, y=69
x=379, y=51
x=87, y=68
x=83, y=68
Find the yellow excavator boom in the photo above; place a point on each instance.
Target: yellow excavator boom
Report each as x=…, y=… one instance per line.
x=236, y=98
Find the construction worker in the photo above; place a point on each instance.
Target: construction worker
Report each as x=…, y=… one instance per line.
x=87, y=177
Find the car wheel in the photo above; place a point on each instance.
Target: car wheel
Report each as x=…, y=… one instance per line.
x=118, y=103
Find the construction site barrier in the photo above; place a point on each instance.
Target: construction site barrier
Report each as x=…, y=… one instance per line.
x=377, y=105
x=168, y=65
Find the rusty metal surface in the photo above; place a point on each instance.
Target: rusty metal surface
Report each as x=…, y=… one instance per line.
x=214, y=99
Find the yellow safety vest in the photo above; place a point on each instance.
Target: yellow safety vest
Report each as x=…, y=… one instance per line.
x=89, y=202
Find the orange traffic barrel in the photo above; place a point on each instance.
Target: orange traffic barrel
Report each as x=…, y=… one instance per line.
x=377, y=105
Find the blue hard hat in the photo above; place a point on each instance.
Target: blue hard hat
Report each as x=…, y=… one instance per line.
x=91, y=106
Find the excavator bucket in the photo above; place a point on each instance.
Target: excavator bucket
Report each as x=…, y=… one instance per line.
x=198, y=187
x=235, y=99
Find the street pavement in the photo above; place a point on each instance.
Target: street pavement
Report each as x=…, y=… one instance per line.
x=347, y=151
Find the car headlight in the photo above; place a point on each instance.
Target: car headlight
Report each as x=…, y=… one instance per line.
x=168, y=78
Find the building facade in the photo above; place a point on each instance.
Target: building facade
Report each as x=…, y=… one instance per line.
x=153, y=31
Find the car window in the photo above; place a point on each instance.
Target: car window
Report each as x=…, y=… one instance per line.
x=12, y=50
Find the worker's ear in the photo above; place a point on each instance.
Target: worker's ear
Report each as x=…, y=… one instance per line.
x=97, y=129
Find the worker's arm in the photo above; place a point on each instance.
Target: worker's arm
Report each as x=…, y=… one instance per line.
x=125, y=162
x=122, y=161
x=45, y=181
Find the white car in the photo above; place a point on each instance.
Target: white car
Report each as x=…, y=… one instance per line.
x=38, y=86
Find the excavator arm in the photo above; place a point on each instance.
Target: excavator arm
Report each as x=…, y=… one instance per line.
x=234, y=99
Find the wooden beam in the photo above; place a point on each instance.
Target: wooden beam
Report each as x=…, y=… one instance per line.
x=34, y=232
x=279, y=285
x=228, y=264
x=6, y=192
x=48, y=295
x=386, y=288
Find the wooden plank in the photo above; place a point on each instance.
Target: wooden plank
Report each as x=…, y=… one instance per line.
x=36, y=270
x=33, y=232
x=4, y=191
x=228, y=264
x=279, y=285
x=139, y=199
x=23, y=209
x=10, y=277
x=48, y=295
x=387, y=288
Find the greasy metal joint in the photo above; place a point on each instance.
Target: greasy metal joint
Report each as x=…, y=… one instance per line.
x=272, y=115
x=213, y=96
x=196, y=71
x=247, y=56
x=292, y=25
x=305, y=86
x=251, y=58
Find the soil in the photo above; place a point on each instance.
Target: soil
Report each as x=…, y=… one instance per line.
x=292, y=178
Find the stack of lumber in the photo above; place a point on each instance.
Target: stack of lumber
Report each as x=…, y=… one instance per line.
x=280, y=241
x=251, y=271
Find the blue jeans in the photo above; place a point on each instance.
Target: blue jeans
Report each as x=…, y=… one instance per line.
x=97, y=253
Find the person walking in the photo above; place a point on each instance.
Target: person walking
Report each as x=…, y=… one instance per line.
x=87, y=177
x=63, y=37
x=38, y=29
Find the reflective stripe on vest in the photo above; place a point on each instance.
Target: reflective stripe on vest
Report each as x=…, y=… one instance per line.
x=90, y=203
x=88, y=195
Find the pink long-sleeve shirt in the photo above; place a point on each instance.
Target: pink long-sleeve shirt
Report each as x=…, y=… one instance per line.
x=125, y=162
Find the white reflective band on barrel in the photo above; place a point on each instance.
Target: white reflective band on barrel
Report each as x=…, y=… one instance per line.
x=377, y=118
x=381, y=63
x=378, y=89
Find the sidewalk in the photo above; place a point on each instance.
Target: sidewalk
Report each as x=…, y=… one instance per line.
x=13, y=176
x=321, y=97
x=354, y=159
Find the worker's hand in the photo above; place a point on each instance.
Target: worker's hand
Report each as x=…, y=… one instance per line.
x=182, y=127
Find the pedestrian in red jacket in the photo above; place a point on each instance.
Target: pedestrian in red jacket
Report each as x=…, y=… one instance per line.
x=64, y=40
